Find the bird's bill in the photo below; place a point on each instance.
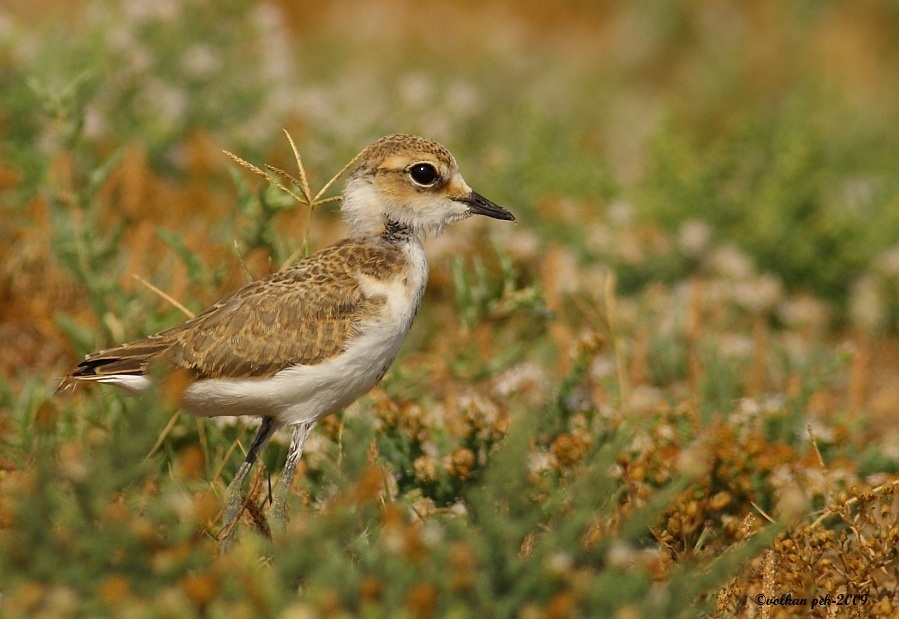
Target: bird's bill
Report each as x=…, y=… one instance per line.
x=480, y=205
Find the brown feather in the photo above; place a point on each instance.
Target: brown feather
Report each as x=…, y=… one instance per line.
x=303, y=315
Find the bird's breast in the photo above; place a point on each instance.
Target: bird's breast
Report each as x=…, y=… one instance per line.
x=401, y=290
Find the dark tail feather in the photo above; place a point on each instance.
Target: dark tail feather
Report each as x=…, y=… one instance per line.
x=134, y=358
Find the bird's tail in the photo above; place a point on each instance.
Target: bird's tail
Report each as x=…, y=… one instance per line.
x=124, y=366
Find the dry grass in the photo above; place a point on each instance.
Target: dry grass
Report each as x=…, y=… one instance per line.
x=623, y=406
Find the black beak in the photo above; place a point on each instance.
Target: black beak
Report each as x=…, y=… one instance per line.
x=482, y=206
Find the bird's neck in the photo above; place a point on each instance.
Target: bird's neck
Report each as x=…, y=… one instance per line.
x=364, y=214
x=396, y=232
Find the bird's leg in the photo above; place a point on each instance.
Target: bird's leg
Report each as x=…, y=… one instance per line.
x=234, y=494
x=279, y=506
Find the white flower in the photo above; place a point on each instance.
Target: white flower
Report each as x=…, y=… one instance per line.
x=694, y=237
x=867, y=307
x=730, y=261
x=201, y=60
x=888, y=262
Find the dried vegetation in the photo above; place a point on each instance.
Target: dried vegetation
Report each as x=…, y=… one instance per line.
x=669, y=391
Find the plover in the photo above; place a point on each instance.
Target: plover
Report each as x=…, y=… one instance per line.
x=307, y=341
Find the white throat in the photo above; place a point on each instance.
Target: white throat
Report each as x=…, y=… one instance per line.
x=362, y=209
x=366, y=211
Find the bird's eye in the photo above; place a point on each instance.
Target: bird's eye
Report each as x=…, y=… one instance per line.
x=423, y=174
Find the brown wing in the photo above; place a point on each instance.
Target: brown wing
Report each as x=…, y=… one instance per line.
x=303, y=315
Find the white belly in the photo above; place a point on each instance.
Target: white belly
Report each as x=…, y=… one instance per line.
x=308, y=392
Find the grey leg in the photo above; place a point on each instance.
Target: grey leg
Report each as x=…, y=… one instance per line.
x=234, y=494
x=279, y=505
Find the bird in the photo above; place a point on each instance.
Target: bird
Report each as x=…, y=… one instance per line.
x=307, y=341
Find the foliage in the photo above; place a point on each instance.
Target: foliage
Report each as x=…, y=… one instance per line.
x=667, y=391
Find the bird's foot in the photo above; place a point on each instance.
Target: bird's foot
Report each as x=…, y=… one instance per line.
x=234, y=502
x=278, y=512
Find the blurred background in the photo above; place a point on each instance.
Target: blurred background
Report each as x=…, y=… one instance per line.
x=705, y=266
x=661, y=140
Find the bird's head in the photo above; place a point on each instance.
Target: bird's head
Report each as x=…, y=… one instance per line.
x=413, y=182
